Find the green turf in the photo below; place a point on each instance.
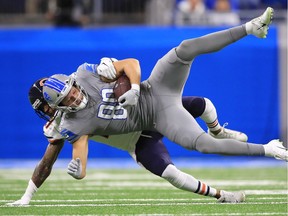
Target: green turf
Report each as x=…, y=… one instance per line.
x=137, y=192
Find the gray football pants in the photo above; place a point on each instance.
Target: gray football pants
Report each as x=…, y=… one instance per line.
x=167, y=81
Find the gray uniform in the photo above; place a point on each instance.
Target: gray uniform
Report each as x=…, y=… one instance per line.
x=160, y=106
x=103, y=115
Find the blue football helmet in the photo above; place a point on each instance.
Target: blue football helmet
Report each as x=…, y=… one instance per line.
x=57, y=87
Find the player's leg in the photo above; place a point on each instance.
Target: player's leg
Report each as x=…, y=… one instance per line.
x=258, y=27
x=184, y=130
x=152, y=154
x=204, y=108
x=188, y=182
x=190, y=48
x=167, y=88
x=274, y=148
x=169, y=75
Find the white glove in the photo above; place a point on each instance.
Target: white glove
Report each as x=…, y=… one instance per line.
x=131, y=97
x=25, y=199
x=106, y=68
x=75, y=168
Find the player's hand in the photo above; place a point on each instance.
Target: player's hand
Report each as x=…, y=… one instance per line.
x=21, y=202
x=131, y=97
x=106, y=68
x=75, y=168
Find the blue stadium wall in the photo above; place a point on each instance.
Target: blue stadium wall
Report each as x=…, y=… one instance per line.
x=241, y=80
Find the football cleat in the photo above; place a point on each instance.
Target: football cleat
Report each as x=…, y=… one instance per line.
x=231, y=197
x=276, y=149
x=260, y=25
x=229, y=134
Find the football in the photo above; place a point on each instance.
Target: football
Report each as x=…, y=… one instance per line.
x=121, y=86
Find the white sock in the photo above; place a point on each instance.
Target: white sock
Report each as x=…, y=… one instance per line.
x=210, y=116
x=30, y=190
x=187, y=182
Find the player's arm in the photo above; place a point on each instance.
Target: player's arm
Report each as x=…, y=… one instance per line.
x=77, y=166
x=44, y=168
x=131, y=67
x=41, y=172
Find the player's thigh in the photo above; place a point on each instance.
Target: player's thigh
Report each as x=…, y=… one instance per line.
x=169, y=74
x=152, y=153
x=179, y=126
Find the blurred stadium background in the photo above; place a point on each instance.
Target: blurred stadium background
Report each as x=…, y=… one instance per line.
x=247, y=81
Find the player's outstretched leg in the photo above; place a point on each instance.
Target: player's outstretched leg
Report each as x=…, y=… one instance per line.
x=260, y=25
x=189, y=49
x=276, y=149
x=187, y=182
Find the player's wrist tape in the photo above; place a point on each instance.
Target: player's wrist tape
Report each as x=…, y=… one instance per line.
x=135, y=86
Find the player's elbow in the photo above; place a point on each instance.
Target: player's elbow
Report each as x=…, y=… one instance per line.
x=136, y=61
x=83, y=175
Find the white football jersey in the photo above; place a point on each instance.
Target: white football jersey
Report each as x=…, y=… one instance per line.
x=126, y=142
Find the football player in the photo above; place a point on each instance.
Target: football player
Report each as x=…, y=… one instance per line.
x=146, y=147
x=89, y=108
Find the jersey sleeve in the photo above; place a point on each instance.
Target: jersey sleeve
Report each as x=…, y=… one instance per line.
x=69, y=136
x=93, y=67
x=88, y=67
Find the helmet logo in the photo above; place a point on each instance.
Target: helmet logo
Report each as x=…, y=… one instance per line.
x=46, y=96
x=55, y=84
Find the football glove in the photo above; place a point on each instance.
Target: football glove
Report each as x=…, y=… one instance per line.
x=131, y=97
x=106, y=68
x=75, y=168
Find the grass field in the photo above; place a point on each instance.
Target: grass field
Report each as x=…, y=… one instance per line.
x=137, y=192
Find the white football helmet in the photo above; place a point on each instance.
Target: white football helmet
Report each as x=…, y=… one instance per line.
x=57, y=87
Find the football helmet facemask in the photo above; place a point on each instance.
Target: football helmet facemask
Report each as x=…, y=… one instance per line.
x=57, y=87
